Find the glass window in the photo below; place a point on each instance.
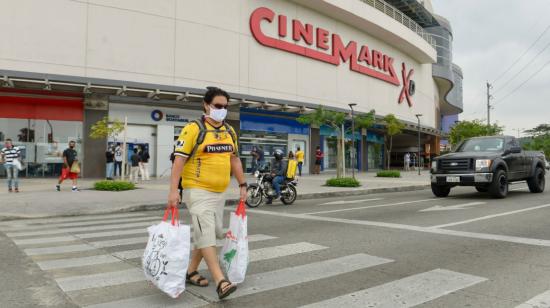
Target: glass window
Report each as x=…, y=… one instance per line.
x=42, y=143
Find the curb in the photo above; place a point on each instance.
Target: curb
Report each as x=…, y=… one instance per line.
x=228, y=202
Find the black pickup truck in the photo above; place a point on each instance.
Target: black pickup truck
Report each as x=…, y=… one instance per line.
x=489, y=164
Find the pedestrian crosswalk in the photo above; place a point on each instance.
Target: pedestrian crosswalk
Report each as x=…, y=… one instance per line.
x=95, y=261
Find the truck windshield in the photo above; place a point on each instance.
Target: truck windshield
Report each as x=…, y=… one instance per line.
x=482, y=145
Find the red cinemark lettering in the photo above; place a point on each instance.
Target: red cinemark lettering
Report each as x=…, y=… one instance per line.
x=378, y=65
x=405, y=93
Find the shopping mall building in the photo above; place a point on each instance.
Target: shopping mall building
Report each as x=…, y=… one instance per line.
x=65, y=64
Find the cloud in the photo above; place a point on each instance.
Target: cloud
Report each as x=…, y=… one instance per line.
x=488, y=36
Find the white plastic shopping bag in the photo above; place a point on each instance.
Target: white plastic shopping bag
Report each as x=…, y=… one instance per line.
x=234, y=254
x=166, y=256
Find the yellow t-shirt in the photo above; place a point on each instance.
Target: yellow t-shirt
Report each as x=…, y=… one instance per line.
x=210, y=167
x=300, y=156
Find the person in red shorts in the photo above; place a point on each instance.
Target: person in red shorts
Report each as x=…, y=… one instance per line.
x=69, y=158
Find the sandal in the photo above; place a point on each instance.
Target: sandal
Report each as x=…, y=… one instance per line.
x=196, y=282
x=221, y=293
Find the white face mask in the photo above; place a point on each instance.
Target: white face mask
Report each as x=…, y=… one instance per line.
x=217, y=115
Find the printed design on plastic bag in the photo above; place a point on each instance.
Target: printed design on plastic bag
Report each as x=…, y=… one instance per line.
x=154, y=264
x=228, y=257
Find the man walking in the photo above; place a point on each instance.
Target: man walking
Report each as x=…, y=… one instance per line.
x=134, y=169
x=144, y=164
x=69, y=158
x=118, y=159
x=206, y=155
x=407, y=161
x=9, y=155
x=109, y=166
x=300, y=158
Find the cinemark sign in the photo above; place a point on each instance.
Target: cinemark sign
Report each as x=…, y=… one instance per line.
x=362, y=60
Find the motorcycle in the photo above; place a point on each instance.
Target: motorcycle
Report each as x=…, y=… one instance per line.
x=263, y=189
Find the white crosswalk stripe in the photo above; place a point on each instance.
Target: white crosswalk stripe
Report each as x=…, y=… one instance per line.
x=81, y=229
x=406, y=292
x=138, y=253
x=89, y=223
x=539, y=301
x=24, y=223
x=262, y=282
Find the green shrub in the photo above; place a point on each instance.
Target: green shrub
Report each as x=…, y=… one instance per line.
x=114, y=185
x=343, y=182
x=388, y=174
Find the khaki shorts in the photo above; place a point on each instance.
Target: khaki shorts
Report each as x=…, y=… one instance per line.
x=206, y=209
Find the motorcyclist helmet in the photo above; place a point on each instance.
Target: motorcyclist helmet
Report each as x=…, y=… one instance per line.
x=278, y=154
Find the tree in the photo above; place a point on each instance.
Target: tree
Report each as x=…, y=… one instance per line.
x=102, y=129
x=541, y=129
x=393, y=127
x=333, y=119
x=366, y=120
x=540, y=139
x=468, y=129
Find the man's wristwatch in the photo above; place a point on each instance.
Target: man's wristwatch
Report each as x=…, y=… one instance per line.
x=243, y=185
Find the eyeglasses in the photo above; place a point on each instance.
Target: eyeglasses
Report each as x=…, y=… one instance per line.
x=220, y=106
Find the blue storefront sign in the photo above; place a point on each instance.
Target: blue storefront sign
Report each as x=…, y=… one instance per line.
x=267, y=123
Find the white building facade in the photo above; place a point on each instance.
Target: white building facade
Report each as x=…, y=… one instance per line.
x=150, y=61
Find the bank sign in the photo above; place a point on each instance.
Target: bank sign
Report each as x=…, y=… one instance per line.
x=361, y=59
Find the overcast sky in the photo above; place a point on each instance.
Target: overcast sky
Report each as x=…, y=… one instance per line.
x=489, y=36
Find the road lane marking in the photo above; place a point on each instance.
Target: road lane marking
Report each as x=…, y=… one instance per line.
x=351, y=201
x=296, y=275
x=432, y=230
x=88, y=223
x=76, y=262
x=58, y=249
x=137, y=253
x=48, y=240
x=269, y=253
x=523, y=188
x=407, y=292
x=186, y=300
x=539, y=301
x=369, y=207
x=23, y=223
x=491, y=216
x=75, y=283
x=82, y=229
x=455, y=207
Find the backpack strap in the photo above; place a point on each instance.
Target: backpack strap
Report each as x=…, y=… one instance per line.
x=200, y=137
x=233, y=135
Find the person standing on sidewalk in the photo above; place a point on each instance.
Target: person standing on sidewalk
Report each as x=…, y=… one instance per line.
x=9, y=154
x=134, y=169
x=206, y=155
x=144, y=164
x=300, y=158
x=255, y=156
x=118, y=159
x=407, y=161
x=69, y=158
x=318, y=160
x=110, y=163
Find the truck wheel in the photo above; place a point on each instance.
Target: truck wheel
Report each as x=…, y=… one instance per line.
x=537, y=182
x=499, y=187
x=440, y=191
x=482, y=189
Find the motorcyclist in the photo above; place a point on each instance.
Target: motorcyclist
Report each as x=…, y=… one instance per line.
x=278, y=170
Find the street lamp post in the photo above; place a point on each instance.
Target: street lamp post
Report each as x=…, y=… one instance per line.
x=418, y=156
x=352, y=156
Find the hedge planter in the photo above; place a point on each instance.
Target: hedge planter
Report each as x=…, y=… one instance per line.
x=388, y=174
x=343, y=182
x=114, y=185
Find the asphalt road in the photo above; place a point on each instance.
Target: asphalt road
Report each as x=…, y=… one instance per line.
x=387, y=250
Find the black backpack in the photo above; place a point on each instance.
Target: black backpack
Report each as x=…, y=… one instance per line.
x=203, y=131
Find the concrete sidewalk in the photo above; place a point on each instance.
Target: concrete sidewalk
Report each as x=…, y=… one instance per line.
x=38, y=197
